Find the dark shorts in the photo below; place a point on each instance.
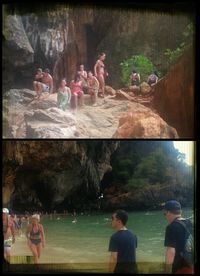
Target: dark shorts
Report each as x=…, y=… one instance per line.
x=35, y=241
x=126, y=268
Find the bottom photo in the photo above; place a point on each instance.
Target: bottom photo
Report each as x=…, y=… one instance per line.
x=98, y=206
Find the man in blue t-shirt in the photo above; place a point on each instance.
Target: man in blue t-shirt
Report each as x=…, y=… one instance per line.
x=175, y=237
x=122, y=245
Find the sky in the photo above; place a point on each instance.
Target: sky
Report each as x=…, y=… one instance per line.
x=186, y=147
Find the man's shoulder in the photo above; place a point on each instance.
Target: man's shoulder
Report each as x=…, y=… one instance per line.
x=176, y=224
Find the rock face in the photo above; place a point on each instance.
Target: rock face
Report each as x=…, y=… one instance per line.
x=26, y=117
x=43, y=175
x=60, y=175
x=62, y=37
x=146, y=124
x=174, y=96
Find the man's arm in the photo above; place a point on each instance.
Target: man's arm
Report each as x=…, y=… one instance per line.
x=169, y=258
x=113, y=261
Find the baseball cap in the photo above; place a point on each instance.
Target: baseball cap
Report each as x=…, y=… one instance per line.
x=5, y=210
x=172, y=205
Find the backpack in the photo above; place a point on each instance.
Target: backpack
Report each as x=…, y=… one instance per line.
x=188, y=251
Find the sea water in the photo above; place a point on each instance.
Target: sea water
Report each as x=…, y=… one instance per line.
x=85, y=243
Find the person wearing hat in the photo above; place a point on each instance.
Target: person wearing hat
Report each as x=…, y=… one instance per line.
x=35, y=237
x=8, y=233
x=175, y=238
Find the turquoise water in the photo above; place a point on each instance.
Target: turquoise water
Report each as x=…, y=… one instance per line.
x=84, y=245
x=88, y=239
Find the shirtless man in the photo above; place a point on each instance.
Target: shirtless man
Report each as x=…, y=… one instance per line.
x=99, y=72
x=8, y=233
x=43, y=82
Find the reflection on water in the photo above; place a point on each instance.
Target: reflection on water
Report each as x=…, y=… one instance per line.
x=86, y=241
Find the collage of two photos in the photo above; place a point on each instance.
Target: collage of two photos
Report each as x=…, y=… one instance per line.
x=99, y=145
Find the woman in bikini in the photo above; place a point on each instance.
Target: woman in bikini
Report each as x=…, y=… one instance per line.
x=63, y=96
x=76, y=87
x=35, y=236
x=100, y=74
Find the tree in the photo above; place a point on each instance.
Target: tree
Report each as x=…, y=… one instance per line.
x=139, y=63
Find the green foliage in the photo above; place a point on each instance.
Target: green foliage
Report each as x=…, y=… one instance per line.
x=189, y=31
x=138, y=62
x=152, y=170
x=157, y=169
x=124, y=169
x=136, y=184
x=173, y=55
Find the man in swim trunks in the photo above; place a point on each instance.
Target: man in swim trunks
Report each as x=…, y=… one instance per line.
x=8, y=233
x=35, y=236
x=43, y=82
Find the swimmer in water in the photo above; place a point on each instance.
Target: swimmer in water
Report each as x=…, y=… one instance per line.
x=74, y=220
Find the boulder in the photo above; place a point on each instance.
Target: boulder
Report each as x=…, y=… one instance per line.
x=50, y=123
x=135, y=89
x=121, y=95
x=145, y=124
x=110, y=91
x=145, y=88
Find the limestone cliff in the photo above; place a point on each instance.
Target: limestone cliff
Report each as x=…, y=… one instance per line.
x=174, y=95
x=43, y=175
x=60, y=175
x=62, y=37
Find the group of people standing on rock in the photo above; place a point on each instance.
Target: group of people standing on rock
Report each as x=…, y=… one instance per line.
x=123, y=243
x=83, y=82
x=135, y=78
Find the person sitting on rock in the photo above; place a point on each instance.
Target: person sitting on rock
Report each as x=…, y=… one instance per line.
x=77, y=92
x=153, y=78
x=63, y=96
x=83, y=77
x=43, y=82
x=135, y=78
x=93, y=87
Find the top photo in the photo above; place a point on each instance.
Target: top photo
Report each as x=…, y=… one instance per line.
x=98, y=72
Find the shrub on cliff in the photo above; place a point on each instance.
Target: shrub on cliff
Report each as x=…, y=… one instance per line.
x=139, y=63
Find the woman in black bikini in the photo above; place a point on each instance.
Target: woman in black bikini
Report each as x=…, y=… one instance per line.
x=35, y=236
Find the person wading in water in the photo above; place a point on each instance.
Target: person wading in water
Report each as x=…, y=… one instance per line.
x=35, y=236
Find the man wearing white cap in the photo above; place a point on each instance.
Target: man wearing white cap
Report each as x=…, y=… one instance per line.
x=8, y=233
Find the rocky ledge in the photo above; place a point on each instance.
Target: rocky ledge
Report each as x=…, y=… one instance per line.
x=121, y=114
